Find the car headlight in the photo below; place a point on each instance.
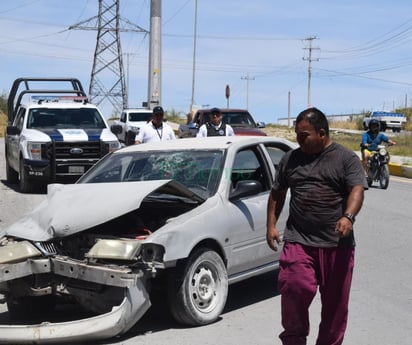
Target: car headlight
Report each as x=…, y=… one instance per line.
x=34, y=150
x=135, y=129
x=114, y=249
x=18, y=251
x=113, y=145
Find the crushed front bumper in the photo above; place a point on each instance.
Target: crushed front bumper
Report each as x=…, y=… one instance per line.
x=119, y=320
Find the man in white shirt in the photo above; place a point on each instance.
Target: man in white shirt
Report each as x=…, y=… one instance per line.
x=155, y=129
x=215, y=127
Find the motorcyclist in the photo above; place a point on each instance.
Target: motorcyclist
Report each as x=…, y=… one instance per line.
x=371, y=139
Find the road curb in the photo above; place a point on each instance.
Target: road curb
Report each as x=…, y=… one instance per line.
x=400, y=170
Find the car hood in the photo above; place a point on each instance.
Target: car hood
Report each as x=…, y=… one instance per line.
x=248, y=131
x=69, y=209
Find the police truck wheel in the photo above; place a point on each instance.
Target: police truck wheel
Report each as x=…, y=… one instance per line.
x=25, y=187
x=11, y=175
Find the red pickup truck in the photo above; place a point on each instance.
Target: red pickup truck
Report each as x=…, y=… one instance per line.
x=240, y=120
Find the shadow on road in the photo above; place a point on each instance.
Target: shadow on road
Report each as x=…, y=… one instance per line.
x=158, y=318
x=240, y=295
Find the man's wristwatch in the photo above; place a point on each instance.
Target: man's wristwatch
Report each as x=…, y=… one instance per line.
x=350, y=216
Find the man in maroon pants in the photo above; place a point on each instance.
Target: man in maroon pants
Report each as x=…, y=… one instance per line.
x=327, y=184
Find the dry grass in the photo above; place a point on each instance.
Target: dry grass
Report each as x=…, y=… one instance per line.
x=348, y=139
x=3, y=124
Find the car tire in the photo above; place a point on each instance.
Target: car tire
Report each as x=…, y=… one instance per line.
x=12, y=176
x=24, y=184
x=130, y=138
x=198, y=288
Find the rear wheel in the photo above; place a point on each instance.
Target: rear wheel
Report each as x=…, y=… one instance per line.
x=198, y=289
x=384, y=177
x=370, y=173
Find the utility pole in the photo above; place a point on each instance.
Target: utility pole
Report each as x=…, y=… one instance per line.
x=310, y=59
x=247, y=78
x=155, y=56
x=192, y=102
x=289, y=109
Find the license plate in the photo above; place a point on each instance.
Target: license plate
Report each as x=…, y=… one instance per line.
x=76, y=169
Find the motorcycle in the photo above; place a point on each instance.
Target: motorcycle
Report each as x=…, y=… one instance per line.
x=377, y=167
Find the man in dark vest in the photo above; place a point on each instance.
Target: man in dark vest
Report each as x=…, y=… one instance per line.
x=215, y=127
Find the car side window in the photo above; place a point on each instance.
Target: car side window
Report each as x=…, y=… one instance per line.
x=248, y=165
x=123, y=117
x=18, y=122
x=276, y=153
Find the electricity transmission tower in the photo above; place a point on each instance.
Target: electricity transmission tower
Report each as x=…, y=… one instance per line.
x=107, y=81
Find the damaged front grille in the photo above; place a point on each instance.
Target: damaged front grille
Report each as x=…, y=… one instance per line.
x=47, y=248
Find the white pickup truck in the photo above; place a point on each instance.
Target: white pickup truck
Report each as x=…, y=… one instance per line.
x=130, y=122
x=53, y=132
x=388, y=120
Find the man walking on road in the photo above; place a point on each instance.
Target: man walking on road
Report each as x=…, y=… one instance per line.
x=327, y=185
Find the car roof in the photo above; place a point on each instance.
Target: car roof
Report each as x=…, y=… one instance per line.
x=64, y=105
x=205, y=143
x=140, y=110
x=223, y=110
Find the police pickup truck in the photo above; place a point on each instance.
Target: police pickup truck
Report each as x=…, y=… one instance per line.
x=53, y=133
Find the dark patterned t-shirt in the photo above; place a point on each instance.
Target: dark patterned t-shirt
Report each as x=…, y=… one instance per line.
x=319, y=186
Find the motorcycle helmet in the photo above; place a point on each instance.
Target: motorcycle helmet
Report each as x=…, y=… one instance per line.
x=374, y=122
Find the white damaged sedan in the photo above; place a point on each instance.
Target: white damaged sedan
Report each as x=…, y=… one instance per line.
x=183, y=217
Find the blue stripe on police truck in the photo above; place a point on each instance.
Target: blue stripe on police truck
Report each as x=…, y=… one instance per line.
x=71, y=135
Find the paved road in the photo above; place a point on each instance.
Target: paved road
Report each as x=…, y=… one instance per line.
x=381, y=299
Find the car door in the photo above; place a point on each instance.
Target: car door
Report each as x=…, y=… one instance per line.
x=248, y=250
x=13, y=141
x=123, y=123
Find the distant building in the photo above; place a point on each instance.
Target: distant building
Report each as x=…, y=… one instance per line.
x=331, y=118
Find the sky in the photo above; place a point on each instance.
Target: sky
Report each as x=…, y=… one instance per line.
x=359, y=51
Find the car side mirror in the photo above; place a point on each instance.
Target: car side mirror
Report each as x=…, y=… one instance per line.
x=246, y=188
x=12, y=130
x=261, y=125
x=116, y=129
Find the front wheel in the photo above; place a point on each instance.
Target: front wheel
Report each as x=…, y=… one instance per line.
x=25, y=186
x=11, y=175
x=198, y=288
x=384, y=177
x=129, y=138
